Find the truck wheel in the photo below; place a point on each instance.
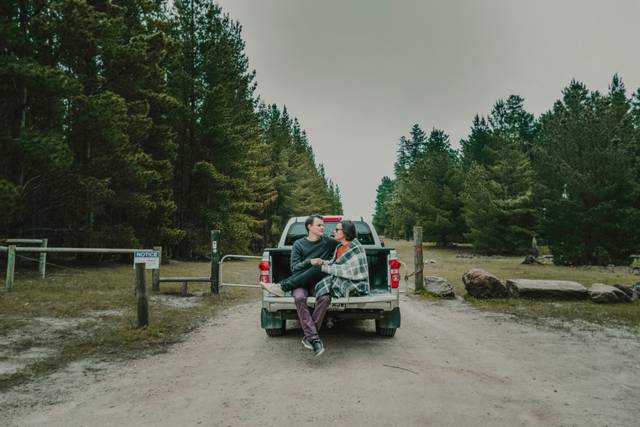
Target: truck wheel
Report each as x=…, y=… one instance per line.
x=385, y=332
x=274, y=332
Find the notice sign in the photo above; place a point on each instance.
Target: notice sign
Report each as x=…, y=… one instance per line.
x=151, y=259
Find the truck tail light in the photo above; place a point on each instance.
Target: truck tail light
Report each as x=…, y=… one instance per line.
x=394, y=269
x=264, y=268
x=332, y=218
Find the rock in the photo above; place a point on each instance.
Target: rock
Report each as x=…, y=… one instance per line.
x=626, y=289
x=556, y=289
x=439, y=287
x=636, y=292
x=607, y=294
x=530, y=259
x=482, y=284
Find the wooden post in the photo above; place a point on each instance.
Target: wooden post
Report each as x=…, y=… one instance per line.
x=419, y=263
x=141, y=296
x=155, y=273
x=215, y=262
x=42, y=266
x=11, y=264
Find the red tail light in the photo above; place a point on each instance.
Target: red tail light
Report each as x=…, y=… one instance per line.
x=332, y=218
x=264, y=268
x=394, y=270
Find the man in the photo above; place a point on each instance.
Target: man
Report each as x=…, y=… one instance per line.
x=306, y=261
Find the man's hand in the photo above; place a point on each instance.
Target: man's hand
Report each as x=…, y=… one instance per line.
x=316, y=261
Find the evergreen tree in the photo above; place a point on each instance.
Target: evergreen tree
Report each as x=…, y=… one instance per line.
x=35, y=94
x=381, y=217
x=499, y=203
x=587, y=169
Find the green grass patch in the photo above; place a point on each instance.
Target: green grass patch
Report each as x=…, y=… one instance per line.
x=91, y=313
x=626, y=315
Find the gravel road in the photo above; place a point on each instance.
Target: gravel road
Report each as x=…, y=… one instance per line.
x=449, y=365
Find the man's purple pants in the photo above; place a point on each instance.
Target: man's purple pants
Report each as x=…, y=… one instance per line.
x=310, y=323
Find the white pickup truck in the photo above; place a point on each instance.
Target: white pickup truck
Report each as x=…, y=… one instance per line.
x=381, y=305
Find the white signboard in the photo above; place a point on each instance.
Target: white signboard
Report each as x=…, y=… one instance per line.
x=151, y=259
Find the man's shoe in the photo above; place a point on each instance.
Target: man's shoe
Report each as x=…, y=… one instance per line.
x=306, y=343
x=273, y=289
x=318, y=347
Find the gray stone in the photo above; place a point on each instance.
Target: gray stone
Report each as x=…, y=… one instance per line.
x=626, y=289
x=439, y=287
x=540, y=289
x=482, y=284
x=607, y=294
x=530, y=259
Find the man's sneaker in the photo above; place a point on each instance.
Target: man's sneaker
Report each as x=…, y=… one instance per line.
x=273, y=289
x=318, y=347
x=306, y=343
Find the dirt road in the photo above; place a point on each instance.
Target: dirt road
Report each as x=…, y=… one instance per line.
x=448, y=365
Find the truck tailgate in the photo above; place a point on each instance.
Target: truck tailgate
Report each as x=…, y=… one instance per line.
x=385, y=302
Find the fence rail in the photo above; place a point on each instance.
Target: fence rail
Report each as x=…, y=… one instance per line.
x=12, y=250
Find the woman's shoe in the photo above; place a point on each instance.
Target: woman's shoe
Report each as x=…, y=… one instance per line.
x=273, y=289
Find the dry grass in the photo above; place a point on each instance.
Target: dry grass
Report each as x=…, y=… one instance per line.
x=452, y=263
x=91, y=313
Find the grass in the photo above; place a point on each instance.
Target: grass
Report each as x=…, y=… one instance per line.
x=91, y=313
x=614, y=315
x=452, y=263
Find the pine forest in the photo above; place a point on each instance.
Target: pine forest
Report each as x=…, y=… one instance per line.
x=569, y=178
x=136, y=123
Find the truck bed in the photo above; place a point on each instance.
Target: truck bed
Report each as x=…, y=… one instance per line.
x=377, y=260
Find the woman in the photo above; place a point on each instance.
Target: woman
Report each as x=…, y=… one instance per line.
x=347, y=272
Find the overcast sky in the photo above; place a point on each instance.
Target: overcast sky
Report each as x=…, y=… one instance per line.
x=359, y=73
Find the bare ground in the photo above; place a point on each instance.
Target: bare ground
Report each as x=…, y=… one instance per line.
x=449, y=364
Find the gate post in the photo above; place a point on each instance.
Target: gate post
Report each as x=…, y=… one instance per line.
x=42, y=266
x=419, y=264
x=11, y=263
x=215, y=262
x=141, y=296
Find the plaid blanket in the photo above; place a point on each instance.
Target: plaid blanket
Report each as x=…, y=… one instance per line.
x=348, y=275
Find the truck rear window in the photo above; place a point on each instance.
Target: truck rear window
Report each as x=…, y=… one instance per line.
x=298, y=231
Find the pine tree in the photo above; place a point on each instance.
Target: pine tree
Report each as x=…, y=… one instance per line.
x=381, y=217
x=587, y=170
x=499, y=202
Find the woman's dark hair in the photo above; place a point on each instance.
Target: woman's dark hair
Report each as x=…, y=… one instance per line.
x=349, y=230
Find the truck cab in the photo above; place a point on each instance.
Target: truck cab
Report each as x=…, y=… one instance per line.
x=380, y=305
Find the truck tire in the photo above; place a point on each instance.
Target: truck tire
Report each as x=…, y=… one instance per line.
x=278, y=332
x=385, y=332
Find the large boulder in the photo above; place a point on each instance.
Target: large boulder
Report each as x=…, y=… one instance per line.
x=607, y=294
x=552, y=289
x=482, y=284
x=438, y=286
x=626, y=289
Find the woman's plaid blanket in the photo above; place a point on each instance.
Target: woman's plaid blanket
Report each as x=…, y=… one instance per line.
x=348, y=275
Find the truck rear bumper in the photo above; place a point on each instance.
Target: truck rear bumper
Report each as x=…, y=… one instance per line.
x=376, y=302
